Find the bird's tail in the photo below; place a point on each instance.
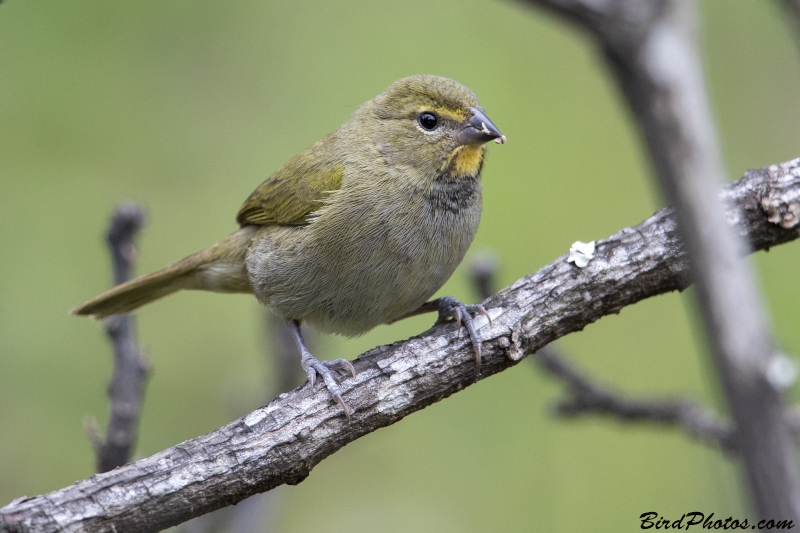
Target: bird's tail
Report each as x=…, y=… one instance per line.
x=220, y=268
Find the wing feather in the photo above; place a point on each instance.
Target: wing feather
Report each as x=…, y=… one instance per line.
x=292, y=195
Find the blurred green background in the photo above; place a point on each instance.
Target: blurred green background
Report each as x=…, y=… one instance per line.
x=186, y=106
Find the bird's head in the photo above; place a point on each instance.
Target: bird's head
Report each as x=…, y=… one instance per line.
x=432, y=124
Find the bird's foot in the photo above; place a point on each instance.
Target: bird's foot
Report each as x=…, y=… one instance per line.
x=315, y=367
x=462, y=314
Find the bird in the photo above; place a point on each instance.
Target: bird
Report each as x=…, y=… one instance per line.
x=358, y=230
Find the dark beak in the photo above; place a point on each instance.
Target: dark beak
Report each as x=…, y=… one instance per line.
x=479, y=129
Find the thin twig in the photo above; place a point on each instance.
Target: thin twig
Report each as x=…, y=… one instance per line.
x=126, y=390
x=587, y=396
x=283, y=441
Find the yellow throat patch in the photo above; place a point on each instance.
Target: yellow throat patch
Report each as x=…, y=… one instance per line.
x=466, y=160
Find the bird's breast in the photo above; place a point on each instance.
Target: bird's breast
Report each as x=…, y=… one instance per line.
x=372, y=256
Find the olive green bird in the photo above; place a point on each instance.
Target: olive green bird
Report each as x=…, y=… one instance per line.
x=358, y=230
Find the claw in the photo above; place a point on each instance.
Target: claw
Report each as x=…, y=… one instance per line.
x=345, y=364
x=476, y=344
x=462, y=315
x=351, y=368
x=482, y=311
x=343, y=405
x=323, y=368
x=314, y=366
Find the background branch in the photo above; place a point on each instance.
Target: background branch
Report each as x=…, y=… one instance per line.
x=587, y=396
x=126, y=390
x=281, y=442
x=651, y=50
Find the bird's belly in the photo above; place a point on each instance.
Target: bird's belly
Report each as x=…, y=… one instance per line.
x=348, y=280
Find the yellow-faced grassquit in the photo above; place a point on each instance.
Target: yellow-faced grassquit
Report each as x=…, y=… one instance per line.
x=358, y=230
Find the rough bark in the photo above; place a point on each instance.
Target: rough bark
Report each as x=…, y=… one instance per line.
x=281, y=442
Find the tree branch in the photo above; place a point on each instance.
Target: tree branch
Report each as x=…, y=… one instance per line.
x=588, y=397
x=650, y=48
x=281, y=442
x=126, y=389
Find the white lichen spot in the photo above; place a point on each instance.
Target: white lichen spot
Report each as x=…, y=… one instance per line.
x=779, y=211
x=781, y=371
x=581, y=253
x=255, y=417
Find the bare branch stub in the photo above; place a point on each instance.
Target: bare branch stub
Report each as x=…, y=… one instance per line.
x=126, y=389
x=282, y=441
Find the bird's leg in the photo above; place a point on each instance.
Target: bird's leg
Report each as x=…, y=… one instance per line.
x=314, y=366
x=462, y=314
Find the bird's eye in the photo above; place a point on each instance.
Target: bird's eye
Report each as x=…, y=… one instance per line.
x=428, y=121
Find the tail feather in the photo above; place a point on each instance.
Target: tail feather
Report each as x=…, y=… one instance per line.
x=137, y=292
x=220, y=268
